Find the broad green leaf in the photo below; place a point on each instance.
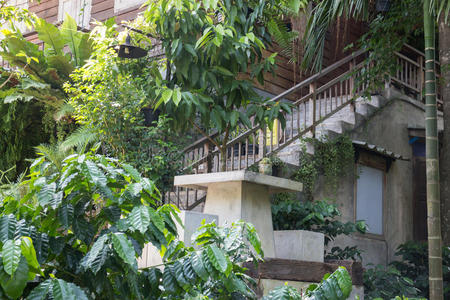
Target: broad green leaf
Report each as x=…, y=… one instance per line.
x=170, y=281
x=176, y=96
x=50, y=35
x=11, y=254
x=177, y=271
x=139, y=218
x=223, y=71
x=8, y=226
x=156, y=219
x=166, y=95
x=124, y=248
x=189, y=48
x=13, y=286
x=218, y=259
x=253, y=238
x=28, y=83
x=337, y=286
x=199, y=268
x=41, y=291
x=132, y=172
x=73, y=38
x=97, y=256
x=29, y=253
x=17, y=96
x=47, y=194
x=96, y=175
x=63, y=290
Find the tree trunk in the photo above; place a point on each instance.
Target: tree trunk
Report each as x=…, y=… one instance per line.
x=223, y=159
x=444, y=58
x=432, y=159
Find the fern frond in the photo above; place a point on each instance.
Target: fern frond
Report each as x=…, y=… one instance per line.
x=79, y=139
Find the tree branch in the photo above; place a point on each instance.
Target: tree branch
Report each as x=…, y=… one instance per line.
x=205, y=134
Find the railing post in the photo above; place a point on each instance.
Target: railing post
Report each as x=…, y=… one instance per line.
x=312, y=113
x=421, y=78
x=207, y=153
x=352, y=78
x=262, y=142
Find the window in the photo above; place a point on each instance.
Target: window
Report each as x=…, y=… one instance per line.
x=80, y=10
x=369, y=198
x=124, y=4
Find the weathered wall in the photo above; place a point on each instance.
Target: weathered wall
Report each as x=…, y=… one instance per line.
x=387, y=128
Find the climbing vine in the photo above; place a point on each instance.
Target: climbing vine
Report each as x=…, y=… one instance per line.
x=331, y=159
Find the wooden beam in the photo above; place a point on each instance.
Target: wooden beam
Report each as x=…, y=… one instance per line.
x=306, y=271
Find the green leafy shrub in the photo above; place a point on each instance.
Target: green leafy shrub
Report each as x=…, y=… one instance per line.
x=332, y=159
x=77, y=231
x=414, y=264
x=407, y=276
x=319, y=216
x=387, y=282
x=337, y=285
x=315, y=216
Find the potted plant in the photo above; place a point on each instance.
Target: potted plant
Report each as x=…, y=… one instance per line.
x=265, y=166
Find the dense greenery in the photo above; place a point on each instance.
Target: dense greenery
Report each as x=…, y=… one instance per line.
x=33, y=104
x=333, y=158
x=110, y=95
x=407, y=276
x=75, y=231
x=212, y=58
x=320, y=216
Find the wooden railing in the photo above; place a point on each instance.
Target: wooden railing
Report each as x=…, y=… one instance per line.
x=317, y=99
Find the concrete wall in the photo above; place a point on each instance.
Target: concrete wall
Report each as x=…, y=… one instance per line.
x=387, y=128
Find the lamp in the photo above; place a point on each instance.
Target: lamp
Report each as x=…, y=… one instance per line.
x=129, y=51
x=382, y=5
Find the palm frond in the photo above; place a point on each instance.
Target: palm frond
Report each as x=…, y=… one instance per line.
x=440, y=7
x=79, y=139
x=322, y=17
x=52, y=153
x=65, y=110
x=283, y=37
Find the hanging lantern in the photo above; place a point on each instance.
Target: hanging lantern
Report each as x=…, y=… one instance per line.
x=382, y=5
x=129, y=51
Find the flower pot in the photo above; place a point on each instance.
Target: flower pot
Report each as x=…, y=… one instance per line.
x=265, y=168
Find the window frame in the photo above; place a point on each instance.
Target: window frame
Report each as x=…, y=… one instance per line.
x=367, y=159
x=123, y=8
x=80, y=21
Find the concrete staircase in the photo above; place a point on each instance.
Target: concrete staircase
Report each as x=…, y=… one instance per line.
x=346, y=120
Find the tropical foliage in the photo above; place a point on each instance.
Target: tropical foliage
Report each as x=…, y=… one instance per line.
x=76, y=233
x=224, y=42
x=33, y=104
x=407, y=276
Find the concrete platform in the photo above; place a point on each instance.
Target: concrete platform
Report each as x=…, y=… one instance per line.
x=241, y=195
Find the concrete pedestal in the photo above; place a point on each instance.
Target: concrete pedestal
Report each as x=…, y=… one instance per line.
x=191, y=220
x=241, y=195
